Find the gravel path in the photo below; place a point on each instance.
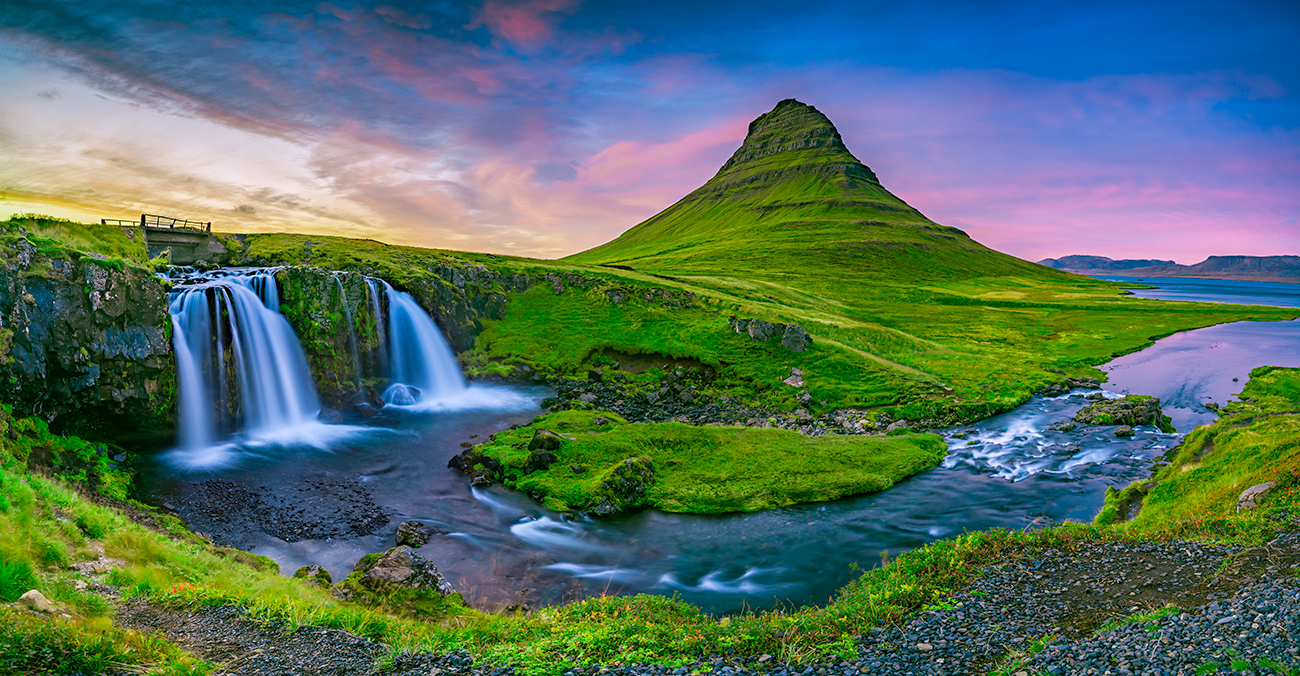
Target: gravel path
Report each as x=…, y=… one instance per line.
x=1237, y=611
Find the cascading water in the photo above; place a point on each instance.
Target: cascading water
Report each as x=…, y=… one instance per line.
x=352, y=333
x=423, y=368
x=228, y=325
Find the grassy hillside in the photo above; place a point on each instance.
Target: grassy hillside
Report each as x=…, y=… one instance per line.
x=908, y=318
x=56, y=237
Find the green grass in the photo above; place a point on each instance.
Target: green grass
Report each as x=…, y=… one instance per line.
x=707, y=469
x=55, y=237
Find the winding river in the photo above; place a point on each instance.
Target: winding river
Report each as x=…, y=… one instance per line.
x=501, y=548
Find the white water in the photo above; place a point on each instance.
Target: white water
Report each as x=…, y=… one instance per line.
x=276, y=400
x=425, y=374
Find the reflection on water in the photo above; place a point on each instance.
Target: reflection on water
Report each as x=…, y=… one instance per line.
x=504, y=548
x=1214, y=290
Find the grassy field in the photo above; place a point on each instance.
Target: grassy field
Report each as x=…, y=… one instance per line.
x=704, y=470
x=45, y=524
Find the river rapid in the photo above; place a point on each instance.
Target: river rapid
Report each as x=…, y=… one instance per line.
x=502, y=548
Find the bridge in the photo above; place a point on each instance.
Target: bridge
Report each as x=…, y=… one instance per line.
x=184, y=241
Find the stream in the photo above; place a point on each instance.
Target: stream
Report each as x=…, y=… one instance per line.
x=502, y=548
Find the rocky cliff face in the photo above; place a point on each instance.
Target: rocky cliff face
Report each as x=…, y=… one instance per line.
x=85, y=345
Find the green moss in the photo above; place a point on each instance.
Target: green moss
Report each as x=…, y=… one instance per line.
x=703, y=469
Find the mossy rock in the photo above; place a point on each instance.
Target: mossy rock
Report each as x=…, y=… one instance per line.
x=1135, y=409
x=314, y=575
x=401, y=581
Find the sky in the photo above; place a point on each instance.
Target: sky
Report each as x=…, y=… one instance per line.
x=545, y=127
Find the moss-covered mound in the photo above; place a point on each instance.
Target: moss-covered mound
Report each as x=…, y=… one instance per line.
x=603, y=464
x=1134, y=409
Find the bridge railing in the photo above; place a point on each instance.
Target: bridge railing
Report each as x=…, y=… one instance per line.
x=156, y=221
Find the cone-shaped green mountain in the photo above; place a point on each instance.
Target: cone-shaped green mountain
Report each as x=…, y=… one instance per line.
x=793, y=196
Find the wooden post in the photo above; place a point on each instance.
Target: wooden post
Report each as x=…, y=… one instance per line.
x=142, y=220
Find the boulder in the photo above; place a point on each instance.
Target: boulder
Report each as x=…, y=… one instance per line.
x=414, y=534
x=314, y=575
x=1251, y=497
x=330, y=416
x=545, y=440
x=595, y=375
x=1125, y=431
x=403, y=568
x=36, y=601
x=896, y=426
x=762, y=331
x=794, y=380
x=795, y=338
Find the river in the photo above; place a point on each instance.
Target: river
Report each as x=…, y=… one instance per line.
x=503, y=548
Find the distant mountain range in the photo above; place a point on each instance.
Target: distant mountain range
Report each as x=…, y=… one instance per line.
x=1247, y=268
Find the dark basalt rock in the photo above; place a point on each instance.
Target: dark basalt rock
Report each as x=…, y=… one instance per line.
x=84, y=345
x=792, y=336
x=623, y=486
x=545, y=440
x=414, y=534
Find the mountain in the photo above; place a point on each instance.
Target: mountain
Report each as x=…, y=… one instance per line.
x=1246, y=268
x=793, y=200
x=1079, y=262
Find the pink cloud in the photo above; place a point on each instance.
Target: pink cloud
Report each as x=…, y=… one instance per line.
x=526, y=24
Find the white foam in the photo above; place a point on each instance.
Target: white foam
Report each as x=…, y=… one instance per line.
x=590, y=571
x=715, y=583
x=548, y=533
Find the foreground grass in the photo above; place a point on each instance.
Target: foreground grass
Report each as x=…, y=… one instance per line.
x=704, y=470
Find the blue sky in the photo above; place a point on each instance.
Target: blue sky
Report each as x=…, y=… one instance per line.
x=548, y=126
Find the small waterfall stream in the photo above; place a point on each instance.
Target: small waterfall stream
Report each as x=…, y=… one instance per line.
x=423, y=368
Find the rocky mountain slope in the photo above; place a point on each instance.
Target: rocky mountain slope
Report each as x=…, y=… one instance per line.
x=1245, y=268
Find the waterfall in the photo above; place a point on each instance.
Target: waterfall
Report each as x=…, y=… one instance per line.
x=272, y=383
x=372, y=285
x=423, y=368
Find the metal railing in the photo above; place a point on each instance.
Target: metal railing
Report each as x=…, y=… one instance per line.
x=156, y=221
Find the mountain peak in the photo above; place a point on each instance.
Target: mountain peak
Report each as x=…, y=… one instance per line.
x=793, y=136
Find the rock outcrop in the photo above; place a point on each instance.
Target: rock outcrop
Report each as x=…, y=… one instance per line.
x=84, y=344
x=791, y=336
x=1134, y=409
